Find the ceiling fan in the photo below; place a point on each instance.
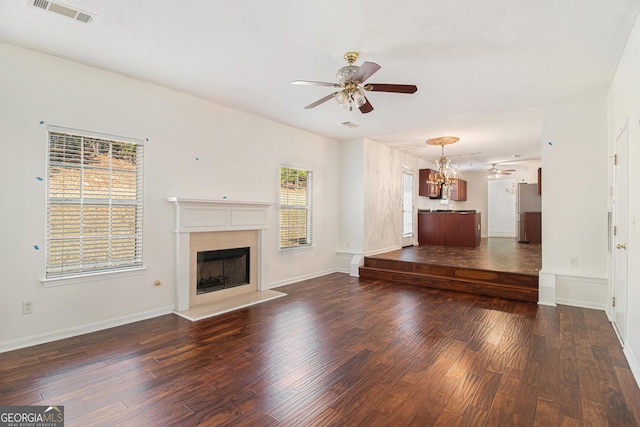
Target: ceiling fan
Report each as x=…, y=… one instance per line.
x=351, y=85
x=494, y=172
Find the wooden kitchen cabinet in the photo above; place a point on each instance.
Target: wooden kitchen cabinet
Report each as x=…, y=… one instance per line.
x=462, y=229
x=431, y=229
x=449, y=228
x=532, y=227
x=459, y=189
x=424, y=188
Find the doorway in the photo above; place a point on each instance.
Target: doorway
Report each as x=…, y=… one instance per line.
x=501, y=207
x=407, y=209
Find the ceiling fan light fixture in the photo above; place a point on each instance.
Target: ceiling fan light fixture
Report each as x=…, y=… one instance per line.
x=358, y=97
x=342, y=98
x=494, y=172
x=345, y=74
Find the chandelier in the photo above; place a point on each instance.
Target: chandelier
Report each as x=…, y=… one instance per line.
x=445, y=174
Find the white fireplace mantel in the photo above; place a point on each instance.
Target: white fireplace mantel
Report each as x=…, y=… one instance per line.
x=199, y=215
x=193, y=215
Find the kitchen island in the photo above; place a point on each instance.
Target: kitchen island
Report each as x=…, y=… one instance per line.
x=449, y=228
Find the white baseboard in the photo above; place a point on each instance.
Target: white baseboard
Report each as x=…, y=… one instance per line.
x=355, y=263
x=633, y=364
x=502, y=234
x=356, y=260
x=82, y=329
x=289, y=281
x=609, y=311
x=585, y=292
x=581, y=304
x=383, y=250
x=547, y=289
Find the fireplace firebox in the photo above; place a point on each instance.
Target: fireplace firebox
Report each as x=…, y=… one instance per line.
x=222, y=269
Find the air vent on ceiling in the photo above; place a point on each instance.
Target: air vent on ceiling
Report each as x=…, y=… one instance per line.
x=63, y=10
x=350, y=125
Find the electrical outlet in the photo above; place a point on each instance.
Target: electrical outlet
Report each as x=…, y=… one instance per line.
x=27, y=307
x=574, y=262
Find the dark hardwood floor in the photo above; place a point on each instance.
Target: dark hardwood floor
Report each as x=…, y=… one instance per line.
x=339, y=351
x=493, y=254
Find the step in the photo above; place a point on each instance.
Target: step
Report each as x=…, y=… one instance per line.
x=454, y=272
x=513, y=286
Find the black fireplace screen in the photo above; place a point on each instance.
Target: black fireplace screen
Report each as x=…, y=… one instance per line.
x=222, y=269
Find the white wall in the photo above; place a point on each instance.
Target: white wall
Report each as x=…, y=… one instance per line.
x=351, y=239
x=623, y=103
x=195, y=149
x=351, y=234
x=383, y=168
x=574, y=198
x=371, y=197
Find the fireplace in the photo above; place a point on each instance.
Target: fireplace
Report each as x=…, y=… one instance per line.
x=217, y=225
x=223, y=252
x=222, y=269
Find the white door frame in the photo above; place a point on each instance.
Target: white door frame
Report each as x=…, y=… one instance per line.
x=408, y=204
x=620, y=235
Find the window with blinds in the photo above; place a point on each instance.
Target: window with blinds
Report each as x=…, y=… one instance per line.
x=295, y=207
x=94, y=203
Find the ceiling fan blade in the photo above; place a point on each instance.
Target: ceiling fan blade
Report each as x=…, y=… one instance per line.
x=366, y=107
x=365, y=71
x=320, y=101
x=382, y=87
x=495, y=171
x=310, y=83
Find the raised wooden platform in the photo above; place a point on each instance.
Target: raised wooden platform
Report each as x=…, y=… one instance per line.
x=498, y=267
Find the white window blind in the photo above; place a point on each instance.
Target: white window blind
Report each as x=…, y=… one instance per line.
x=296, y=217
x=94, y=203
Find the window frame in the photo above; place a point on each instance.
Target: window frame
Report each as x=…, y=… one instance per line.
x=59, y=273
x=307, y=207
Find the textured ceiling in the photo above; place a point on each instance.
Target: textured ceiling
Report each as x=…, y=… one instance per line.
x=483, y=69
